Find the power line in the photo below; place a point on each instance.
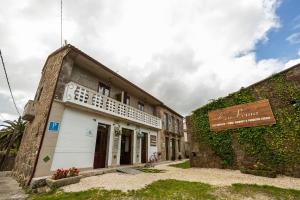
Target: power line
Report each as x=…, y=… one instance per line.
x=61, y=23
x=12, y=96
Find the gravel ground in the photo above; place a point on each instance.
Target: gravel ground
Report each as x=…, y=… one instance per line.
x=217, y=177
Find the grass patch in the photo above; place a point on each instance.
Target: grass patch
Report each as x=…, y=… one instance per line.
x=274, y=192
x=162, y=189
x=174, y=189
x=184, y=165
x=150, y=170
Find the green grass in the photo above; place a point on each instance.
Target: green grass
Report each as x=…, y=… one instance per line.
x=275, y=192
x=162, y=189
x=177, y=190
x=184, y=165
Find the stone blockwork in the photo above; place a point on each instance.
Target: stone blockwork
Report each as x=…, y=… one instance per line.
x=201, y=154
x=31, y=141
x=172, y=131
x=10, y=161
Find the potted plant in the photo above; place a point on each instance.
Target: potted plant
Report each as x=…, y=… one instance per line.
x=64, y=177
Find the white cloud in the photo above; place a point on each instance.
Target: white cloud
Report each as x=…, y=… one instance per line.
x=292, y=62
x=296, y=22
x=294, y=38
x=183, y=52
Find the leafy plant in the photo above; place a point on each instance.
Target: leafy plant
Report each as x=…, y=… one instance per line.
x=64, y=173
x=274, y=146
x=10, y=137
x=73, y=171
x=11, y=130
x=60, y=173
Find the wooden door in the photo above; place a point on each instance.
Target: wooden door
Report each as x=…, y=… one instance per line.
x=167, y=148
x=173, y=149
x=125, y=158
x=101, y=146
x=144, y=147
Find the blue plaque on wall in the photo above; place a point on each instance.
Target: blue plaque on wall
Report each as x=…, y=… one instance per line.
x=53, y=127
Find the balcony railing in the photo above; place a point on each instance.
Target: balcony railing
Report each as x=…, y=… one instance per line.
x=80, y=95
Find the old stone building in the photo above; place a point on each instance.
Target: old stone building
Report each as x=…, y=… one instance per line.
x=85, y=115
x=264, y=150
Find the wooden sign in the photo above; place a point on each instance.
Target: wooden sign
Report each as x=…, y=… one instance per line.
x=245, y=115
x=153, y=140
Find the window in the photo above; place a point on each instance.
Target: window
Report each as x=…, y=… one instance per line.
x=166, y=121
x=141, y=106
x=126, y=99
x=152, y=140
x=178, y=126
x=104, y=89
x=173, y=123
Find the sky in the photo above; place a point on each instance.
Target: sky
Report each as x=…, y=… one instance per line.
x=182, y=52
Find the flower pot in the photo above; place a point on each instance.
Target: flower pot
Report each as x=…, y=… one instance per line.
x=62, y=182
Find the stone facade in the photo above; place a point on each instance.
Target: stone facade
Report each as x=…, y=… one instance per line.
x=202, y=156
x=37, y=149
x=31, y=141
x=172, y=129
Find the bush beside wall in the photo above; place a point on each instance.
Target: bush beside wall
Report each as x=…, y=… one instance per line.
x=266, y=148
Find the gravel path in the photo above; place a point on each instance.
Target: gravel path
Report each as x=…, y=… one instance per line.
x=218, y=177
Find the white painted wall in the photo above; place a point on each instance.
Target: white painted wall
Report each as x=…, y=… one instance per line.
x=76, y=141
x=152, y=149
x=77, y=136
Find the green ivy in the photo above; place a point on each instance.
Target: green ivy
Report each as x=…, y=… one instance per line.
x=274, y=145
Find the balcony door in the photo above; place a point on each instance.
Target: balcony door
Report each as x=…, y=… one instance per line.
x=101, y=146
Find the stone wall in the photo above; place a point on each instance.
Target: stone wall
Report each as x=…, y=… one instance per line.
x=10, y=161
x=170, y=132
x=31, y=141
x=202, y=155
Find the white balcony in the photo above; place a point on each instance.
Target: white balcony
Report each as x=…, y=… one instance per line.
x=80, y=95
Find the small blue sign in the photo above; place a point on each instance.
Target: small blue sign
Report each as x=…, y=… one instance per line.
x=53, y=126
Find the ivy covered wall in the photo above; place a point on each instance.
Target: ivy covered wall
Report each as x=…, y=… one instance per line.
x=267, y=148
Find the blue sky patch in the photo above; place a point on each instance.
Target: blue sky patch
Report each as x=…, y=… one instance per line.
x=284, y=42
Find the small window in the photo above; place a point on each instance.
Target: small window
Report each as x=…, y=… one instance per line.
x=104, y=89
x=153, y=140
x=141, y=106
x=126, y=99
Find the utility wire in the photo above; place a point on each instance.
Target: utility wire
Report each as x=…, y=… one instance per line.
x=61, y=23
x=12, y=96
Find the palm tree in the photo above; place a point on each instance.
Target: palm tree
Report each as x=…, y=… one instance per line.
x=11, y=136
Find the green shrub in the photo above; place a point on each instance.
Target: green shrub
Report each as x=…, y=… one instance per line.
x=275, y=146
